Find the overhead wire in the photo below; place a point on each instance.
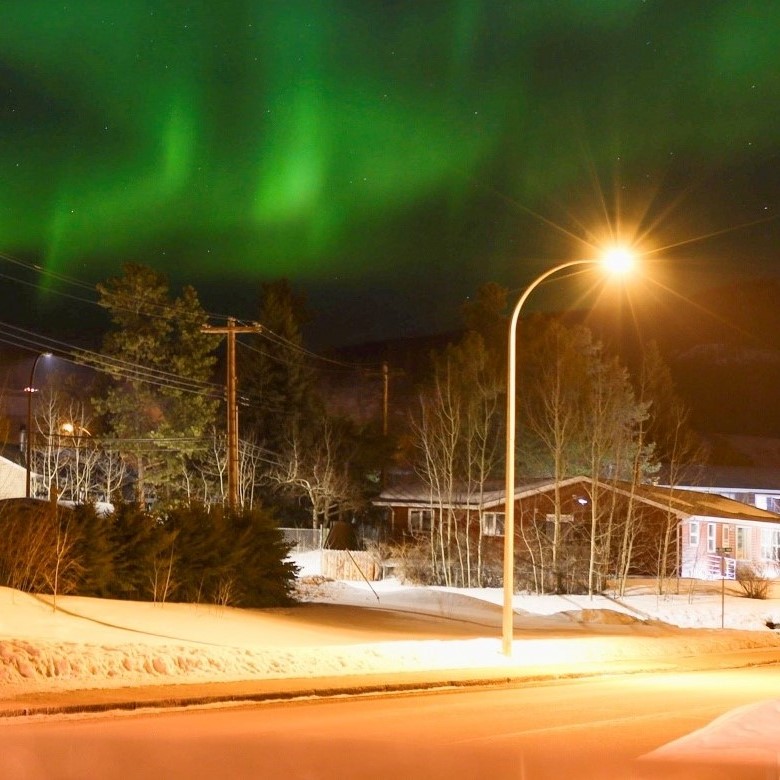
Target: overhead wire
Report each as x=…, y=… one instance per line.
x=163, y=311
x=285, y=342
x=134, y=372
x=123, y=369
x=20, y=337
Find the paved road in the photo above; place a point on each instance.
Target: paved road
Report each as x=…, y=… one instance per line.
x=574, y=729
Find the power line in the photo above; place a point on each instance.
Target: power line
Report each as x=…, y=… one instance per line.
x=116, y=367
x=163, y=311
x=282, y=341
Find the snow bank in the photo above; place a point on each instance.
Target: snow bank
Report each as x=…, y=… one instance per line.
x=355, y=628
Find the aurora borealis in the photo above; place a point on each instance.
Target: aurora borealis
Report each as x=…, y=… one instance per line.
x=388, y=156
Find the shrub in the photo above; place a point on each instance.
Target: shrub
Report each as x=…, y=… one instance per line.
x=754, y=584
x=413, y=563
x=39, y=547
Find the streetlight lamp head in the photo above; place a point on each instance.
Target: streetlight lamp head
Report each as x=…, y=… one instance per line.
x=618, y=260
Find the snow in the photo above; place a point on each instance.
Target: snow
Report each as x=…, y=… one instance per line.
x=744, y=737
x=357, y=628
x=344, y=629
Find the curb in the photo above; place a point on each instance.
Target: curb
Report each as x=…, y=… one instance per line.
x=96, y=701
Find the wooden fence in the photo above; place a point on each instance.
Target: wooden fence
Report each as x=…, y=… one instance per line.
x=350, y=565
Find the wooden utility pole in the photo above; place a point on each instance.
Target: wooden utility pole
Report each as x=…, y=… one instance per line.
x=230, y=331
x=385, y=395
x=385, y=373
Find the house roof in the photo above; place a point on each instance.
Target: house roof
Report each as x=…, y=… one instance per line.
x=417, y=494
x=694, y=503
x=682, y=503
x=726, y=478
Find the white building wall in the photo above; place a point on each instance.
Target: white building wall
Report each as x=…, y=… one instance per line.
x=13, y=479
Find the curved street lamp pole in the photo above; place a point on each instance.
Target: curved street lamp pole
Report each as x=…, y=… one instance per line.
x=618, y=259
x=30, y=389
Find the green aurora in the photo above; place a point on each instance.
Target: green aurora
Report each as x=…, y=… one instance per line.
x=354, y=143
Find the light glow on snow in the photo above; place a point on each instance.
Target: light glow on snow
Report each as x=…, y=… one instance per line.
x=349, y=628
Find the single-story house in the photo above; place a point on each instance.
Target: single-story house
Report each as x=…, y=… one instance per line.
x=708, y=532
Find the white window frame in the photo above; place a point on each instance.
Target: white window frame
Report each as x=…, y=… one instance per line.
x=725, y=535
x=420, y=520
x=711, y=537
x=493, y=523
x=741, y=541
x=770, y=544
x=693, y=534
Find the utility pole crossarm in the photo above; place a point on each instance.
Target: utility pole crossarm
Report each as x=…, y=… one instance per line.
x=230, y=330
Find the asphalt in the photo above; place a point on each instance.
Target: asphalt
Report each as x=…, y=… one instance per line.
x=286, y=689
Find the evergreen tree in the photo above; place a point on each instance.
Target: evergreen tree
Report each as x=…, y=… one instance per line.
x=192, y=554
x=205, y=563
x=151, y=338
x=137, y=539
x=485, y=314
x=95, y=551
x=265, y=576
x=276, y=381
x=668, y=425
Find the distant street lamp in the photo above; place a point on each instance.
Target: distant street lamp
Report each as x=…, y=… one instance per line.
x=30, y=389
x=69, y=429
x=616, y=260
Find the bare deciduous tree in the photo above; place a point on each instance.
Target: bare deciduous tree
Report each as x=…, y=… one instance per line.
x=456, y=435
x=315, y=465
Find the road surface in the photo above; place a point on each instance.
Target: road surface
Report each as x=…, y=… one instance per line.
x=577, y=729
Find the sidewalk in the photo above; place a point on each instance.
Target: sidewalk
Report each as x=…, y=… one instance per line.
x=255, y=691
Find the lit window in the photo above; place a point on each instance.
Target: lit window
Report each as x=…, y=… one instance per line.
x=420, y=520
x=493, y=524
x=693, y=534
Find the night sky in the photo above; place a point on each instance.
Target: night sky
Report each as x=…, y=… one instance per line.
x=387, y=157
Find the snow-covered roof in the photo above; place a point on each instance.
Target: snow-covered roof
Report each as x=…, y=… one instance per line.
x=694, y=503
x=682, y=503
x=418, y=494
x=11, y=464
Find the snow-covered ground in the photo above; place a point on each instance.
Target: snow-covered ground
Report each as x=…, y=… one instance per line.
x=94, y=643
x=381, y=628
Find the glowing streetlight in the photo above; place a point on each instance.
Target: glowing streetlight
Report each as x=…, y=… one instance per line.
x=30, y=389
x=618, y=260
x=615, y=260
x=70, y=429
